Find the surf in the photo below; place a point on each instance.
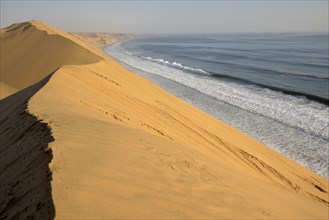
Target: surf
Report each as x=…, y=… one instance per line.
x=298, y=120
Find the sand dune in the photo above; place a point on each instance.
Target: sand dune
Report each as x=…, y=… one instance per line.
x=31, y=51
x=6, y=90
x=100, y=39
x=25, y=176
x=124, y=148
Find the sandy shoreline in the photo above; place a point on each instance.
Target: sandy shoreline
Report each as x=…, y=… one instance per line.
x=124, y=148
x=101, y=40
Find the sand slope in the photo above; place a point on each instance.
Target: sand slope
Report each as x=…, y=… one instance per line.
x=30, y=51
x=25, y=190
x=125, y=148
x=100, y=39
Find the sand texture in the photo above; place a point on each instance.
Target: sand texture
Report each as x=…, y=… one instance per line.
x=121, y=147
x=25, y=176
x=31, y=51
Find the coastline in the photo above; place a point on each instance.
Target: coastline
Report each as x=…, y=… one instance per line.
x=102, y=40
x=289, y=139
x=178, y=161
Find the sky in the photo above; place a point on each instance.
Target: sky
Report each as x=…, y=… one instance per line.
x=172, y=17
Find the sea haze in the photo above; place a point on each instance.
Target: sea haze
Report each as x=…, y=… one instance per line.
x=273, y=87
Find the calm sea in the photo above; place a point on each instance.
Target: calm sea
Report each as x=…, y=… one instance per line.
x=273, y=87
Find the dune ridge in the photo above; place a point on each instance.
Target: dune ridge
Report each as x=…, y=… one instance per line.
x=25, y=190
x=51, y=47
x=124, y=148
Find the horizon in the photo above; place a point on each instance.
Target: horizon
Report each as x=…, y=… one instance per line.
x=173, y=18
x=189, y=34
x=164, y=109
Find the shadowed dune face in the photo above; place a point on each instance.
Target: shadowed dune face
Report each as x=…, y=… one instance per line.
x=25, y=188
x=29, y=53
x=124, y=148
x=142, y=147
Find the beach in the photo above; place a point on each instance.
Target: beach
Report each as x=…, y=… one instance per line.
x=271, y=87
x=111, y=144
x=100, y=40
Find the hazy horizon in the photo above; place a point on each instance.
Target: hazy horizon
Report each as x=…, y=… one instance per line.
x=172, y=17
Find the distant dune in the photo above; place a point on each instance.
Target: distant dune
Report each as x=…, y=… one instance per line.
x=84, y=138
x=100, y=39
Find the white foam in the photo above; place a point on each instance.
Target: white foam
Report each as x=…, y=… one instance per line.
x=296, y=112
x=175, y=65
x=307, y=119
x=129, y=53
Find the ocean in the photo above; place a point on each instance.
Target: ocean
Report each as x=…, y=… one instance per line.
x=272, y=87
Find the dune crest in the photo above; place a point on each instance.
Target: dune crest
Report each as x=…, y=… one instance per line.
x=124, y=148
x=25, y=189
x=30, y=51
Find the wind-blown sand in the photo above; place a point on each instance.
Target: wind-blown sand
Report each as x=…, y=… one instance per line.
x=124, y=148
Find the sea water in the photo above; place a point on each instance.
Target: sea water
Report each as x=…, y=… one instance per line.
x=273, y=87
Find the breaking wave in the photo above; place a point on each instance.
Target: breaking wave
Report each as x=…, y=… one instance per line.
x=298, y=120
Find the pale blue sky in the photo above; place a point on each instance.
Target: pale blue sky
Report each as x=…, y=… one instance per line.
x=170, y=17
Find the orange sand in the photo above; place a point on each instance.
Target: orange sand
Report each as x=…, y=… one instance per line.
x=124, y=148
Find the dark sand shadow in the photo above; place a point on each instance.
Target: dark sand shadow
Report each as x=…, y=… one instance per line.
x=25, y=177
